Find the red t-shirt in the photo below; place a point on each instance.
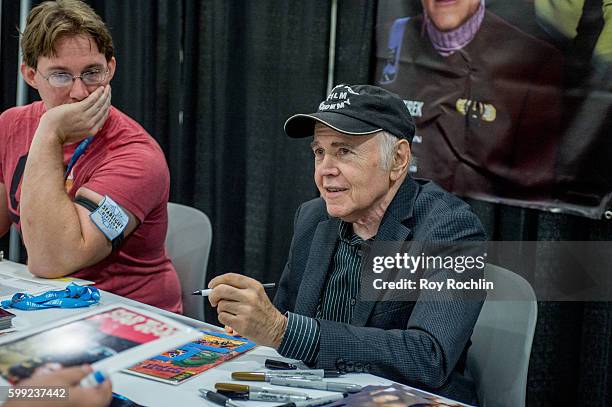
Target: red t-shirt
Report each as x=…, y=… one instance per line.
x=124, y=162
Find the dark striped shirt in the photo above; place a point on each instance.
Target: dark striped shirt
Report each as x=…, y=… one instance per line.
x=301, y=339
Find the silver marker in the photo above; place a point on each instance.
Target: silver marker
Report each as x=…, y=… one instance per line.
x=318, y=385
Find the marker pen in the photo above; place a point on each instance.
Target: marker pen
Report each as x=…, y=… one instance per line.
x=206, y=292
x=93, y=379
x=274, y=364
x=319, y=401
x=234, y=390
x=217, y=398
x=319, y=385
x=320, y=373
x=314, y=374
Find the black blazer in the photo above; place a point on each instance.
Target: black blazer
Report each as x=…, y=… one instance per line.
x=422, y=343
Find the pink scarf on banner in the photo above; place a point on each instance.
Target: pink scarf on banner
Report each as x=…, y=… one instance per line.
x=447, y=42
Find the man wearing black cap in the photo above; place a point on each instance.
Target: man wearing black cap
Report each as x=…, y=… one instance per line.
x=361, y=146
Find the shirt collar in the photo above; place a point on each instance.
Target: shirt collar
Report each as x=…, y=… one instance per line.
x=346, y=234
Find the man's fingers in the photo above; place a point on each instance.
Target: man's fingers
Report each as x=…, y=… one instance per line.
x=227, y=319
x=102, y=102
x=100, y=395
x=102, y=111
x=106, y=97
x=98, y=121
x=71, y=375
x=93, y=98
x=233, y=279
x=225, y=292
x=231, y=307
x=100, y=118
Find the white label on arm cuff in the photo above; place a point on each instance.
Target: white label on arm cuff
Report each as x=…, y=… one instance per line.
x=110, y=218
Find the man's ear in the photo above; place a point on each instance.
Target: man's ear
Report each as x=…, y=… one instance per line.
x=401, y=159
x=28, y=73
x=112, y=66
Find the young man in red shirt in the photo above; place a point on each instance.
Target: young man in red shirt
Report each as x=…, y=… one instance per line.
x=85, y=184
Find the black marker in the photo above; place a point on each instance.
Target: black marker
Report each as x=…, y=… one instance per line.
x=279, y=365
x=217, y=398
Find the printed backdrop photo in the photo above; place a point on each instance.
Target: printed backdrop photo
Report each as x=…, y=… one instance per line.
x=506, y=112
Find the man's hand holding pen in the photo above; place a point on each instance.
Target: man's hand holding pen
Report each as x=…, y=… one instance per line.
x=243, y=305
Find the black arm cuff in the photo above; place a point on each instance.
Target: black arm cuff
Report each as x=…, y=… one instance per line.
x=91, y=206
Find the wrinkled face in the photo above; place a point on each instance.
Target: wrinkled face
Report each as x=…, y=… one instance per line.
x=448, y=15
x=348, y=173
x=76, y=55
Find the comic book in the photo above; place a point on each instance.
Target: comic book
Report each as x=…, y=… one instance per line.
x=109, y=338
x=188, y=361
x=6, y=319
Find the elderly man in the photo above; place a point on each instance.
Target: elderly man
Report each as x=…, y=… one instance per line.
x=85, y=184
x=361, y=148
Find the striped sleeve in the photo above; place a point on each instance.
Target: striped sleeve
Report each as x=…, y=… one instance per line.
x=301, y=339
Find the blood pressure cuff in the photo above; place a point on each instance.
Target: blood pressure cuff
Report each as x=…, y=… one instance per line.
x=108, y=217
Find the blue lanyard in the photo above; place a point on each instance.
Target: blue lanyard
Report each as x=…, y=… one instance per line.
x=77, y=154
x=74, y=296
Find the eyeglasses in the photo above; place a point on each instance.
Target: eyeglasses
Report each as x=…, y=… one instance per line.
x=63, y=79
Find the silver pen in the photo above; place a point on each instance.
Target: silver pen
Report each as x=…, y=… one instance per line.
x=307, y=373
x=206, y=292
x=276, y=397
x=266, y=376
x=318, y=385
x=320, y=401
x=218, y=398
x=235, y=390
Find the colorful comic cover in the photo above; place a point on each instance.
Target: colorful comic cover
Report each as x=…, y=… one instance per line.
x=188, y=361
x=89, y=339
x=395, y=395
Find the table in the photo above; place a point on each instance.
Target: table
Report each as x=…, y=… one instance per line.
x=152, y=393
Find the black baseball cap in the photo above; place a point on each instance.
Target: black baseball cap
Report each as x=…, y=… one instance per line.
x=356, y=110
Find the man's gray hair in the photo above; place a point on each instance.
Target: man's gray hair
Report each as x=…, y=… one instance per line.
x=387, y=150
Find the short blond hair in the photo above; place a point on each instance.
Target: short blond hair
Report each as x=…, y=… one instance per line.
x=52, y=20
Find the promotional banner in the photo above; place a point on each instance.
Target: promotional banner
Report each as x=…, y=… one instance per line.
x=512, y=99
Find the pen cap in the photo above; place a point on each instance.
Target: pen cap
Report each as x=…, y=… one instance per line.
x=93, y=379
x=234, y=394
x=332, y=373
x=279, y=365
x=248, y=376
x=216, y=397
x=234, y=387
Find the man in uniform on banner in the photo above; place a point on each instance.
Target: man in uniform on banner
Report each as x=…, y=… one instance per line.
x=486, y=98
